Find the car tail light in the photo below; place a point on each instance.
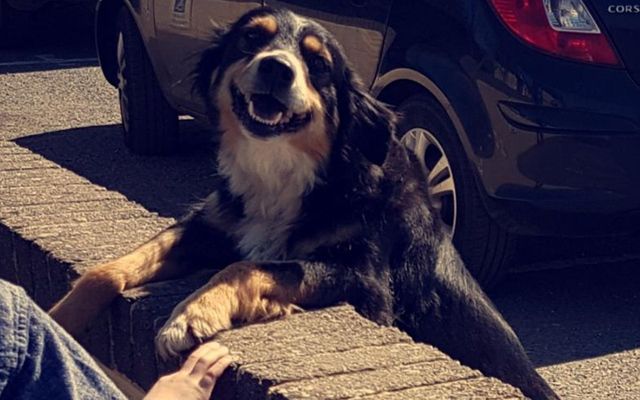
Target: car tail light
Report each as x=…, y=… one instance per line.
x=561, y=27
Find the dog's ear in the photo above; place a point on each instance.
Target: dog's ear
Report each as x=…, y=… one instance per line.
x=368, y=124
x=210, y=60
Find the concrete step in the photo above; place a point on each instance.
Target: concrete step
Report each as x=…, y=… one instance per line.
x=54, y=224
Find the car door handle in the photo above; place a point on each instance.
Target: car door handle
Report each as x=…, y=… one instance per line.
x=359, y=3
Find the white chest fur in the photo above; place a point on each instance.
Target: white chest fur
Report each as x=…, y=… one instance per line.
x=271, y=176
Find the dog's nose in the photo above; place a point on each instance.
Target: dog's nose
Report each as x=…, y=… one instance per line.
x=276, y=71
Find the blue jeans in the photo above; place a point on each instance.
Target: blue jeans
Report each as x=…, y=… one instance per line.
x=39, y=360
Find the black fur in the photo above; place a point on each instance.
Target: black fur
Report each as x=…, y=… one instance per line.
x=396, y=265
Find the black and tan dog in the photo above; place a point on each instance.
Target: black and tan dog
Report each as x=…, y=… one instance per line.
x=318, y=203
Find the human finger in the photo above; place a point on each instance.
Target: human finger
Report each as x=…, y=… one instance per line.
x=214, y=372
x=208, y=359
x=196, y=356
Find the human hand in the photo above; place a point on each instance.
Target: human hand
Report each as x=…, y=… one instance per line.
x=196, y=378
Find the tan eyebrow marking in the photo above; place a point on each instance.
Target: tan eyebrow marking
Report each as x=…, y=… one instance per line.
x=313, y=44
x=268, y=23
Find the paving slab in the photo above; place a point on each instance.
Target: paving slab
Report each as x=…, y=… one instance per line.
x=326, y=362
x=44, y=211
x=54, y=224
x=468, y=389
x=372, y=381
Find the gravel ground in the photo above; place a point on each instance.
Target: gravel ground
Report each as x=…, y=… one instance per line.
x=46, y=101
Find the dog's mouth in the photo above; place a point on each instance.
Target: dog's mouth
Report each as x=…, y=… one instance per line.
x=263, y=115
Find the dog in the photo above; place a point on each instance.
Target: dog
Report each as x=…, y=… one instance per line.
x=318, y=203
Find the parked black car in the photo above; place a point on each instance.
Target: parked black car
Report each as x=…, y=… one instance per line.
x=525, y=112
x=22, y=21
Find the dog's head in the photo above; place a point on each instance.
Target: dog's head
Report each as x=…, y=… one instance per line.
x=276, y=76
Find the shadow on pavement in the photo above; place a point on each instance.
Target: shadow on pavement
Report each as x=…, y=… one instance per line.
x=574, y=313
x=166, y=185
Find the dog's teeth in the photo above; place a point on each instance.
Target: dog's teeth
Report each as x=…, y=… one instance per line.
x=272, y=121
x=277, y=118
x=287, y=117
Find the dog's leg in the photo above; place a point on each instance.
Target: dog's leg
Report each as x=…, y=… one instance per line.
x=458, y=318
x=100, y=285
x=246, y=292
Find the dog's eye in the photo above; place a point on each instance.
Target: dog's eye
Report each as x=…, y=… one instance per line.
x=318, y=65
x=252, y=35
x=253, y=38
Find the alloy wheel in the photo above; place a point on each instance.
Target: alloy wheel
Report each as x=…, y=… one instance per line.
x=433, y=159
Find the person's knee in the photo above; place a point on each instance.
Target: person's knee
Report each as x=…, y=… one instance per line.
x=9, y=292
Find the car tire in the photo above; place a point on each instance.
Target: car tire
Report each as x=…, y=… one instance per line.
x=486, y=248
x=149, y=123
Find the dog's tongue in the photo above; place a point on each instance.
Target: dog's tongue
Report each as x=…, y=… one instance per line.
x=266, y=109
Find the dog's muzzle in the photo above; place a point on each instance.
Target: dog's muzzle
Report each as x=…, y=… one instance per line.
x=264, y=108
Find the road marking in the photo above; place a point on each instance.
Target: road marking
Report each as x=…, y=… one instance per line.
x=48, y=61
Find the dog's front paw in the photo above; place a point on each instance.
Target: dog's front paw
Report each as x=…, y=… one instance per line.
x=189, y=326
x=241, y=292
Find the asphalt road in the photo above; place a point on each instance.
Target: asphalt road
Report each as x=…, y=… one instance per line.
x=580, y=323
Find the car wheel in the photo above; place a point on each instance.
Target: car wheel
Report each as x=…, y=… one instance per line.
x=149, y=124
x=426, y=130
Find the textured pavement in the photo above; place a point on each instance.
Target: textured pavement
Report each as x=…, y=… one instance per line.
x=58, y=137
